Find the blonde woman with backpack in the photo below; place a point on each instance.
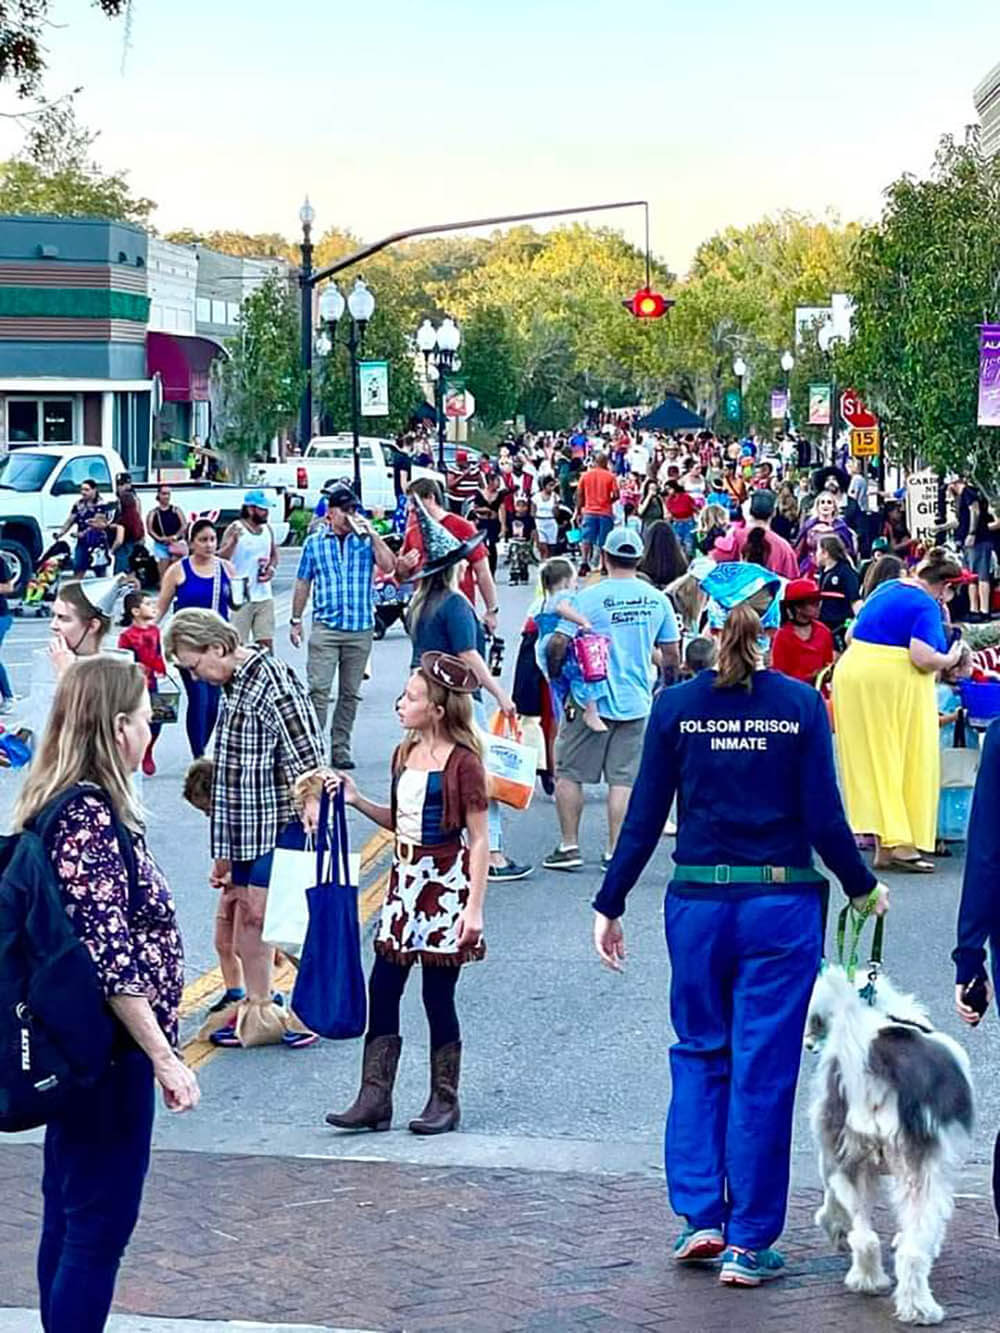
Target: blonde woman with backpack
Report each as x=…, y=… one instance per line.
x=97, y=1139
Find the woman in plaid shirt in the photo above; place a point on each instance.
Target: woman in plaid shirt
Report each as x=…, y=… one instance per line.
x=267, y=738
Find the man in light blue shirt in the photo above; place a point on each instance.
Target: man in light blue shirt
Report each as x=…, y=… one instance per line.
x=637, y=618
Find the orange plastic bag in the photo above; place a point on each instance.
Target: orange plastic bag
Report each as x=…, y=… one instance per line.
x=510, y=764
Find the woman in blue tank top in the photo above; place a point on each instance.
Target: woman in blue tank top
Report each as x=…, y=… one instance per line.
x=204, y=580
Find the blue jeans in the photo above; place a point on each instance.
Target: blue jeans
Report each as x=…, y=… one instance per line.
x=202, y=711
x=742, y=972
x=123, y=555
x=96, y=1158
x=5, y=689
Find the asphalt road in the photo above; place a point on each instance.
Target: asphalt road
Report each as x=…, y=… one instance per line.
x=565, y=1065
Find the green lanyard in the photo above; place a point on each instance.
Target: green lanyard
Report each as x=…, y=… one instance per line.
x=859, y=920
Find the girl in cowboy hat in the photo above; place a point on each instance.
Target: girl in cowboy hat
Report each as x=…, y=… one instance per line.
x=433, y=908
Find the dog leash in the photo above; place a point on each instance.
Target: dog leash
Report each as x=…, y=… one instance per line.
x=859, y=919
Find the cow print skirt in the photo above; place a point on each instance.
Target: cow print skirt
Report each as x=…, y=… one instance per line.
x=420, y=914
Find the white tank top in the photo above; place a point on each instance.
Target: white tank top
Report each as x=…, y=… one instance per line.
x=251, y=549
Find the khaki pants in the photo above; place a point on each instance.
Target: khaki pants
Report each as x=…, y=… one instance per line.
x=342, y=653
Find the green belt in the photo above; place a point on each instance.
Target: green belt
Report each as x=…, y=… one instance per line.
x=749, y=874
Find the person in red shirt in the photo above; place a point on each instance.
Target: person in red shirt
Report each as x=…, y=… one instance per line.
x=682, y=508
x=596, y=493
x=141, y=637
x=803, y=646
x=757, y=543
x=477, y=571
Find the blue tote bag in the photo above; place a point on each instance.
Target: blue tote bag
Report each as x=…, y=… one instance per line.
x=329, y=994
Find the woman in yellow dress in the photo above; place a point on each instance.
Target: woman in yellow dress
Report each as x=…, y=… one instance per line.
x=886, y=715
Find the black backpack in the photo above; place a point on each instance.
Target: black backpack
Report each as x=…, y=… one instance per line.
x=57, y=1033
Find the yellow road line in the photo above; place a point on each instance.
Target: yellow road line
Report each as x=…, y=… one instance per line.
x=198, y=1053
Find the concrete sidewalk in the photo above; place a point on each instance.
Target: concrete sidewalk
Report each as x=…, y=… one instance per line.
x=391, y=1247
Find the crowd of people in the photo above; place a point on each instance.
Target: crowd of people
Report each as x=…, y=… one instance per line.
x=704, y=608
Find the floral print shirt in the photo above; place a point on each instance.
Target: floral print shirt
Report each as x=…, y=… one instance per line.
x=141, y=955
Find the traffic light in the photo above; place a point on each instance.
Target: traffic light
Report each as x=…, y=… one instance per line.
x=647, y=304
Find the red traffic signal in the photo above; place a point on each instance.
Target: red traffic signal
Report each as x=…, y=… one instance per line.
x=647, y=304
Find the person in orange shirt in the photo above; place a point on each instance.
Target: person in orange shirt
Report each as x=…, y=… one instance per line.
x=596, y=494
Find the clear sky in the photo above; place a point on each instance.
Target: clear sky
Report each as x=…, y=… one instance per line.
x=400, y=113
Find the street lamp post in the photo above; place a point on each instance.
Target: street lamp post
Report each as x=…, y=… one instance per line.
x=307, y=215
x=740, y=371
x=360, y=306
x=439, y=346
x=826, y=338
x=787, y=365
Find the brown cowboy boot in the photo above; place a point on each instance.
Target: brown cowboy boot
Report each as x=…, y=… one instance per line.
x=442, y=1113
x=372, y=1107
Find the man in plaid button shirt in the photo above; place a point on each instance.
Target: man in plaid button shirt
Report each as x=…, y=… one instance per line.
x=338, y=566
x=267, y=737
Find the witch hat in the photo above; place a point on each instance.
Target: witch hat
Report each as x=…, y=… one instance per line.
x=442, y=549
x=104, y=593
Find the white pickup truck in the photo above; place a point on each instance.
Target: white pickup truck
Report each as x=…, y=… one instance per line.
x=331, y=458
x=39, y=485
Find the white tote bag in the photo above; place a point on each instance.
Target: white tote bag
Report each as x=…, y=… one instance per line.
x=286, y=918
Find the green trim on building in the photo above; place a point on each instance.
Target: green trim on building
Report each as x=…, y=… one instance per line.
x=73, y=303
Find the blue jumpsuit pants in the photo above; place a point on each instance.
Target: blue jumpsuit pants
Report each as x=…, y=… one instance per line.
x=742, y=972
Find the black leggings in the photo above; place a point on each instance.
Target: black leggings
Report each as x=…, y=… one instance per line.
x=385, y=990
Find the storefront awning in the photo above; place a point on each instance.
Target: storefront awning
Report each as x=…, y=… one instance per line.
x=183, y=362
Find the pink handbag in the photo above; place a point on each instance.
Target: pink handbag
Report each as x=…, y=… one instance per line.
x=592, y=656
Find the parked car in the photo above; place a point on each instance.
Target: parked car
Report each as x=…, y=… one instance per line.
x=330, y=458
x=40, y=484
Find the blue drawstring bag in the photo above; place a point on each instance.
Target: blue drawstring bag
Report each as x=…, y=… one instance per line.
x=329, y=994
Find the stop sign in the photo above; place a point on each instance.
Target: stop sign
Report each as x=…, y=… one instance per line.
x=854, y=412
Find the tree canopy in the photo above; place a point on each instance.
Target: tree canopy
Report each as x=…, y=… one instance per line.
x=921, y=280
x=55, y=173
x=256, y=388
x=24, y=34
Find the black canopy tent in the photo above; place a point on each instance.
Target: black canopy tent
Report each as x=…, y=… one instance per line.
x=671, y=415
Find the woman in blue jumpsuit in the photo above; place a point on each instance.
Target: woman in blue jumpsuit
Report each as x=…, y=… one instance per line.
x=749, y=754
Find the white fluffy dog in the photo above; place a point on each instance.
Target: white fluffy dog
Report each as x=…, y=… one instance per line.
x=892, y=1097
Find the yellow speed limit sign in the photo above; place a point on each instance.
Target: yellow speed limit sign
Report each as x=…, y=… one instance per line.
x=865, y=443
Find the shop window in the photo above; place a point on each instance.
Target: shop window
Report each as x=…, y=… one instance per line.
x=40, y=420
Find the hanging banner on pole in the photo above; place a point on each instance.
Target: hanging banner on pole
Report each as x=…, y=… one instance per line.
x=820, y=401
x=454, y=399
x=732, y=404
x=989, y=375
x=373, y=378
x=779, y=404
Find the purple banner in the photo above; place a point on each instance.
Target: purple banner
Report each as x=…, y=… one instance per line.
x=779, y=404
x=989, y=375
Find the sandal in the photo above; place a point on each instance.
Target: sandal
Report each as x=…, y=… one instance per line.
x=296, y=1040
x=910, y=865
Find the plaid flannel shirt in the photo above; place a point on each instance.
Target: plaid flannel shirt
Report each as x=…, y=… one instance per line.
x=267, y=737
x=341, y=570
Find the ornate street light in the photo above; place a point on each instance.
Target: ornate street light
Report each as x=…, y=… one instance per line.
x=360, y=306
x=740, y=370
x=438, y=346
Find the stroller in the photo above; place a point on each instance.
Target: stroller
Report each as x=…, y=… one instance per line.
x=520, y=557
x=41, y=589
x=390, y=597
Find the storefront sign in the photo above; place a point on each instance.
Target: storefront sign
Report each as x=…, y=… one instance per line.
x=922, y=505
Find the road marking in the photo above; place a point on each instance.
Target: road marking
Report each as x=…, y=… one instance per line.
x=197, y=1053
